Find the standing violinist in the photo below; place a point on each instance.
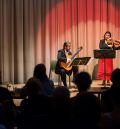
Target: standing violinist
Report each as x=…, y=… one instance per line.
x=64, y=55
x=105, y=73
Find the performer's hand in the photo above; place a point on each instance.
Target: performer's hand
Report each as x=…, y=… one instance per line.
x=68, y=60
x=117, y=45
x=110, y=46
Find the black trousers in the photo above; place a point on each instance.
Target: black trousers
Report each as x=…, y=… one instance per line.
x=63, y=74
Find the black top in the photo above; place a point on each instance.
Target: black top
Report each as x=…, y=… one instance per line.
x=103, y=45
x=61, y=56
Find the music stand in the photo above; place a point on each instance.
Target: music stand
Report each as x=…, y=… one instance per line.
x=80, y=61
x=103, y=54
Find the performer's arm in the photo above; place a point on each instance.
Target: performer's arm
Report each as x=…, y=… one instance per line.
x=61, y=57
x=116, y=47
x=103, y=45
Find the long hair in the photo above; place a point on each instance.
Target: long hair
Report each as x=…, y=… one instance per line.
x=40, y=72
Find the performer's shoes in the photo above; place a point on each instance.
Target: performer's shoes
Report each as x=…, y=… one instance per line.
x=103, y=83
x=108, y=82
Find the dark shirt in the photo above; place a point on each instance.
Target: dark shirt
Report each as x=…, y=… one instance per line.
x=61, y=57
x=103, y=45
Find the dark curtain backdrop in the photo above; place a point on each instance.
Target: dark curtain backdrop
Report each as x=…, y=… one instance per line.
x=32, y=31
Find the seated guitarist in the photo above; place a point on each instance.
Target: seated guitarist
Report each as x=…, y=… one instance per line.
x=64, y=58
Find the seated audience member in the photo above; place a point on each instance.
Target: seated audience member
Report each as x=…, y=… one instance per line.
x=85, y=105
x=115, y=115
x=83, y=81
x=8, y=112
x=35, y=108
x=106, y=96
x=61, y=107
x=47, y=84
x=111, y=119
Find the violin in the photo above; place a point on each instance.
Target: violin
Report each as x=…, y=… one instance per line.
x=112, y=42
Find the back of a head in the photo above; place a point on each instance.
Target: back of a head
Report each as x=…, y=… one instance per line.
x=61, y=92
x=33, y=86
x=115, y=77
x=5, y=94
x=83, y=81
x=40, y=71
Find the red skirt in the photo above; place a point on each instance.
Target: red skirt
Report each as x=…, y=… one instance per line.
x=105, y=68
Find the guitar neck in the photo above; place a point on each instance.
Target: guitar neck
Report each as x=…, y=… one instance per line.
x=72, y=58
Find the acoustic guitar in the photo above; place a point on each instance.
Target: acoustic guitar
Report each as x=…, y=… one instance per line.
x=68, y=66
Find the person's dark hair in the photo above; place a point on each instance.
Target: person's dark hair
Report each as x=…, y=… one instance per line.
x=107, y=32
x=65, y=44
x=61, y=92
x=40, y=72
x=5, y=94
x=116, y=95
x=33, y=86
x=83, y=81
x=115, y=76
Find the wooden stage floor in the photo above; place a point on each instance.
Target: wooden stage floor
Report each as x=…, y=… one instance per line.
x=95, y=89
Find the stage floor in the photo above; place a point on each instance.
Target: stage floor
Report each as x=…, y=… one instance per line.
x=95, y=83
x=95, y=89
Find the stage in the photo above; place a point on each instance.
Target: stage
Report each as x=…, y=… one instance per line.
x=96, y=88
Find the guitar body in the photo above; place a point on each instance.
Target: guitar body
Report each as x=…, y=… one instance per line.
x=65, y=66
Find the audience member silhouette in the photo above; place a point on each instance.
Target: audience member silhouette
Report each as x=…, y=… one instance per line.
x=35, y=108
x=86, y=106
x=106, y=96
x=8, y=110
x=111, y=103
x=83, y=81
x=115, y=115
x=47, y=84
x=61, y=108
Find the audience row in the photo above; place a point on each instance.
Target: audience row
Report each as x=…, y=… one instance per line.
x=46, y=107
